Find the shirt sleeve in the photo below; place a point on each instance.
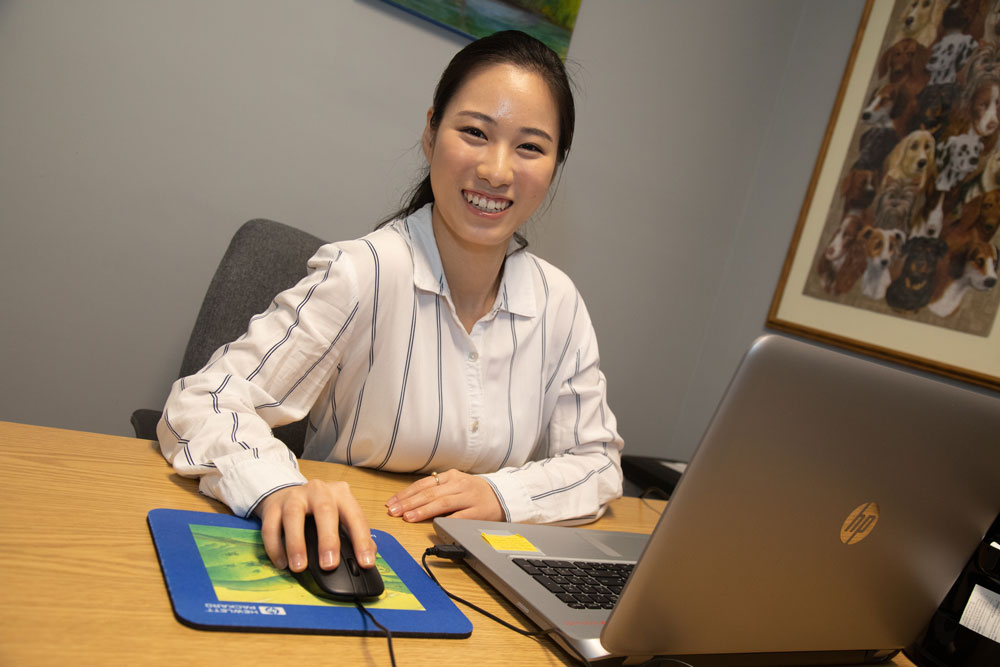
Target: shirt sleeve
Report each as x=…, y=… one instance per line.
x=216, y=424
x=582, y=469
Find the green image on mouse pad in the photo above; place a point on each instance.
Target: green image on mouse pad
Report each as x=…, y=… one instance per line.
x=240, y=571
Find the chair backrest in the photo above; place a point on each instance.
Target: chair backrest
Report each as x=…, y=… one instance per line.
x=263, y=258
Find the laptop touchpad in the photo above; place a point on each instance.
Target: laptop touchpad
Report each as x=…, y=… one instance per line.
x=616, y=545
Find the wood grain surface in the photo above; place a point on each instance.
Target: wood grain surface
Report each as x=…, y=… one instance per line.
x=80, y=583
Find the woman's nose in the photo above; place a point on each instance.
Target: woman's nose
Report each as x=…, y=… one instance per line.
x=496, y=168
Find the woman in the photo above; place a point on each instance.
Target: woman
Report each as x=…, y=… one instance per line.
x=434, y=343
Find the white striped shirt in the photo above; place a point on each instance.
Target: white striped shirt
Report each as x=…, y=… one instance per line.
x=370, y=347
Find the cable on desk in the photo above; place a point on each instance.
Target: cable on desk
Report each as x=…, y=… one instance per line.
x=454, y=552
x=388, y=634
x=653, y=490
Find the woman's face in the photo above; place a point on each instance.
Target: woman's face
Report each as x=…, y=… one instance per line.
x=493, y=156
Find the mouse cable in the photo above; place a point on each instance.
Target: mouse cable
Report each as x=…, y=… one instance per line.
x=388, y=634
x=455, y=552
x=651, y=491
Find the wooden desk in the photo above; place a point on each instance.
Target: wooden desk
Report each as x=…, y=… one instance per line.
x=80, y=583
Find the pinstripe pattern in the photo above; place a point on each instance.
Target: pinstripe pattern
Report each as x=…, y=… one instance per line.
x=510, y=390
x=544, y=327
x=440, y=386
x=402, y=388
x=215, y=394
x=562, y=355
x=177, y=436
x=236, y=426
x=407, y=395
x=577, y=400
x=503, y=503
x=371, y=349
x=575, y=484
x=333, y=408
x=316, y=363
x=288, y=333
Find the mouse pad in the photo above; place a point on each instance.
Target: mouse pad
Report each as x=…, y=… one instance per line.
x=219, y=577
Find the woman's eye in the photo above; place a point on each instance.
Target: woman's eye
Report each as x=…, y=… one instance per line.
x=532, y=147
x=474, y=131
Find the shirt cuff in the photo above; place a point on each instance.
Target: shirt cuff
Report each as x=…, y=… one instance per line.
x=514, y=498
x=249, y=476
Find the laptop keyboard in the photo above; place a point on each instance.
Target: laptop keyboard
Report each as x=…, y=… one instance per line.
x=579, y=584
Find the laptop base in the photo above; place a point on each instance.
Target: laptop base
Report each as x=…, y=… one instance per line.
x=752, y=659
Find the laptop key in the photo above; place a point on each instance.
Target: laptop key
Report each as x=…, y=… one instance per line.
x=527, y=567
x=579, y=584
x=549, y=584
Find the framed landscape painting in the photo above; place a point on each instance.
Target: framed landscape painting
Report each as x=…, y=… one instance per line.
x=550, y=21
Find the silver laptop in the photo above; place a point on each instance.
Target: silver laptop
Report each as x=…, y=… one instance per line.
x=831, y=504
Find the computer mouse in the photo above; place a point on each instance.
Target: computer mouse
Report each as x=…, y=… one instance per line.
x=348, y=581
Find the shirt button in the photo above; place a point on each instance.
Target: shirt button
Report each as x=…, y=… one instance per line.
x=475, y=426
x=473, y=356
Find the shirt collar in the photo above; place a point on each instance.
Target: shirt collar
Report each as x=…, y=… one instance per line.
x=516, y=294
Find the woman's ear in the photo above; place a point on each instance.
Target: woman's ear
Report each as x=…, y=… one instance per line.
x=427, y=140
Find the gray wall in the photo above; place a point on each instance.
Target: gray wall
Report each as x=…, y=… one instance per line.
x=136, y=136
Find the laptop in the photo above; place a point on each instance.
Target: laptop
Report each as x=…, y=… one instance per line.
x=828, y=509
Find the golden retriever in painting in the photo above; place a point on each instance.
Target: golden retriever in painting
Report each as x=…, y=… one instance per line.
x=911, y=161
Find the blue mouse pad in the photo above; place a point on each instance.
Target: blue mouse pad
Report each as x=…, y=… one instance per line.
x=219, y=577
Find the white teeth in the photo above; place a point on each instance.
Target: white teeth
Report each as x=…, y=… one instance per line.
x=484, y=204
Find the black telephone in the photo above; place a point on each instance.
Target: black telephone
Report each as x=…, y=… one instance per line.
x=947, y=642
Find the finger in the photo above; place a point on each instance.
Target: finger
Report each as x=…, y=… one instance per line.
x=327, y=539
x=420, y=499
x=426, y=490
x=445, y=504
x=421, y=485
x=355, y=523
x=292, y=522
x=270, y=532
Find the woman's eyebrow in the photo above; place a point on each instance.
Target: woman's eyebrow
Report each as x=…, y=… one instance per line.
x=491, y=121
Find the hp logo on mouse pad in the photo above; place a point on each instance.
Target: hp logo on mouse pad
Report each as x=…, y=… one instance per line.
x=859, y=523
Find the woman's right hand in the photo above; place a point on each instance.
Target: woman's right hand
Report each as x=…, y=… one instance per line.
x=282, y=516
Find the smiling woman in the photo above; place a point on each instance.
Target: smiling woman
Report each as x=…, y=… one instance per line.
x=436, y=344
x=492, y=159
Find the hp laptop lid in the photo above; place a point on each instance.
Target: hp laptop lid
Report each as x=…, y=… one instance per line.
x=831, y=504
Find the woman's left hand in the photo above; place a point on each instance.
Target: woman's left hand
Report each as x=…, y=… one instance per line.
x=453, y=493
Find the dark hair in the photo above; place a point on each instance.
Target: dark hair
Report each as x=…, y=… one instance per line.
x=508, y=47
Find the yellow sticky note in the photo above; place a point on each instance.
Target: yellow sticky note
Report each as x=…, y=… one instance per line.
x=508, y=542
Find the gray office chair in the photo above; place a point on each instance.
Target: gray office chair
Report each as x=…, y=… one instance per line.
x=263, y=258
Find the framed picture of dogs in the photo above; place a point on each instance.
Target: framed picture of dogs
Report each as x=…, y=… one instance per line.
x=895, y=253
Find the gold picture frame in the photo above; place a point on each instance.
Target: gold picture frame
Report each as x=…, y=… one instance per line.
x=888, y=311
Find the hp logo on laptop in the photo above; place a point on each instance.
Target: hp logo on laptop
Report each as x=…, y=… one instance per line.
x=859, y=523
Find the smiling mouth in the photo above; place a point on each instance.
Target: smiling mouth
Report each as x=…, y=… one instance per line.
x=485, y=204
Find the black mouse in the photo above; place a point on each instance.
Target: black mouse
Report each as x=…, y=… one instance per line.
x=348, y=581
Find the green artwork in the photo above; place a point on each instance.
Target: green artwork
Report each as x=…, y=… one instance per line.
x=240, y=571
x=550, y=21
